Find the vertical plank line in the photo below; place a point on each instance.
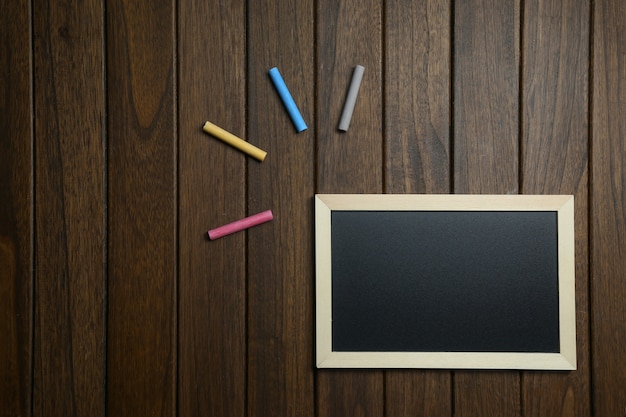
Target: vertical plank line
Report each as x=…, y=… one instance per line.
x=520, y=118
x=33, y=214
x=383, y=92
x=246, y=192
x=105, y=211
x=106, y=128
x=316, y=125
x=246, y=128
x=176, y=191
x=451, y=131
x=590, y=193
x=316, y=174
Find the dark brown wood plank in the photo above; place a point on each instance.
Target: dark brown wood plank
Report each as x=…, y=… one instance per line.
x=417, y=157
x=486, y=78
x=555, y=161
x=608, y=209
x=212, y=277
x=141, y=338
x=69, y=333
x=417, y=97
x=350, y=393
x=486, y=81
x=280, y=253
x=16, y=210
x=418, y=393
x=349, y=34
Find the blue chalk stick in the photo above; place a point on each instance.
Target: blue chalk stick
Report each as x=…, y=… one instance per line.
x=285, y=96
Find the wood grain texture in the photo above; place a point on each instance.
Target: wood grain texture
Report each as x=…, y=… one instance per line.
x=608, y=209
x=16, y=210
x=486, y=81
x=70, y=216
x=280, y=253
x=141, y=349
x=417, y=97
x=417, y=154
x=554, y=161
x=212, y=278
x=349, y=34
x=350, y=393
x=103, y=218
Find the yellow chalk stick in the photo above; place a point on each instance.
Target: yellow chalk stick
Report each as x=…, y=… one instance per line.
x=234, y=141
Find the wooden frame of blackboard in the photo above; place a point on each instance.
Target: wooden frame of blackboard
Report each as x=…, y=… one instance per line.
x=562, y=205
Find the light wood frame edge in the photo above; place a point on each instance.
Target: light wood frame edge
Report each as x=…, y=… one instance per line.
x=562, y=204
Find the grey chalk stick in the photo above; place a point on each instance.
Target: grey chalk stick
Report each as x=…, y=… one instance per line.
x=353, y=92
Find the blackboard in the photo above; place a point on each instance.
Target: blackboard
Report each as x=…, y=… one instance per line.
x=445, y=281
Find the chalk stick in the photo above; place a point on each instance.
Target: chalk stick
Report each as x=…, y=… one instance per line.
x=234, y=141
x=353, y=92
x=285, y=96
x=245, y=223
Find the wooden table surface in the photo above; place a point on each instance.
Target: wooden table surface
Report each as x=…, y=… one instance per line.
x=113, y=302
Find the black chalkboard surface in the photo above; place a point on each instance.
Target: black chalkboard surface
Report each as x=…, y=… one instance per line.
x=445, y=281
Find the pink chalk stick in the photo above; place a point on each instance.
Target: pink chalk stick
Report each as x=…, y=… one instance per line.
x=236, y=226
